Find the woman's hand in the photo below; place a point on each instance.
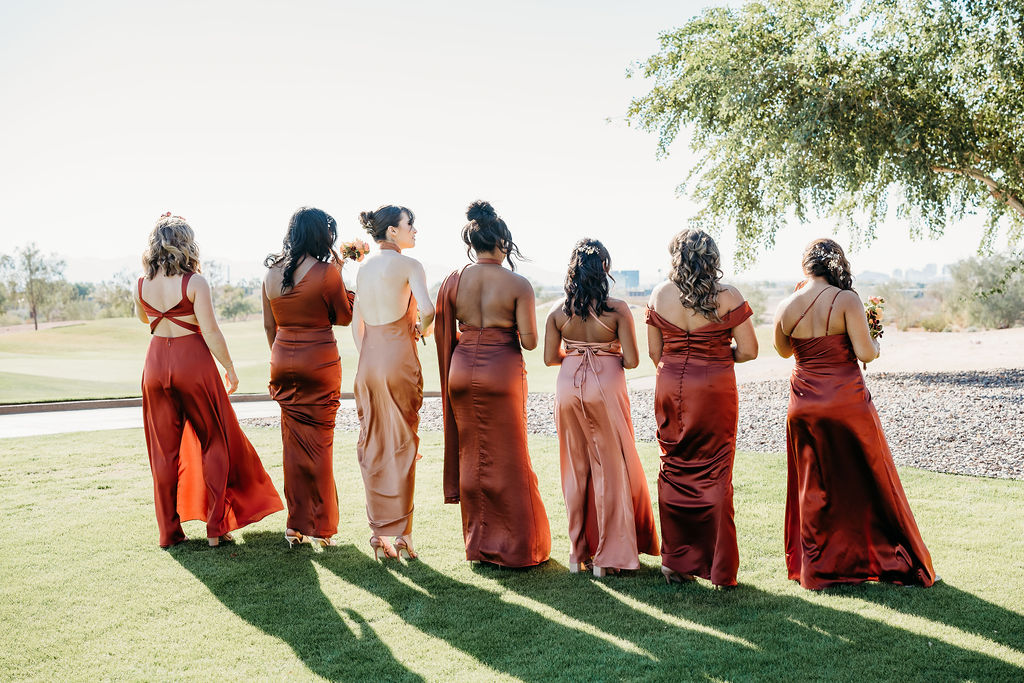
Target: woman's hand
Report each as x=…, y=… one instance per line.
x=230, y=379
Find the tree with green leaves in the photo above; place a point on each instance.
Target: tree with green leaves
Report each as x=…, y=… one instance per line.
x=837, y=107
x=38, y=278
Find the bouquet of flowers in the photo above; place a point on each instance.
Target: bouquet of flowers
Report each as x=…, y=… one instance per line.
x=354, y=250
x=874, y=308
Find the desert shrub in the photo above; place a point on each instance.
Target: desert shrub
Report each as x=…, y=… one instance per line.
x=985, y=292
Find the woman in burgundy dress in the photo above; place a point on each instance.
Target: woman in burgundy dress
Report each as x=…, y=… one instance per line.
x=692, y=320
x=591, y=337
x=485, y=316
x=303, y=297
x=203, y=465
x=847, y=517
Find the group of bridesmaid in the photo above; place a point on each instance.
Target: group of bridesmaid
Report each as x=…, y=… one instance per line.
x=847, y=519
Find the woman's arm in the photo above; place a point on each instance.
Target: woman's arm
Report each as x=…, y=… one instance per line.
x=627, y=336
x=358, y=327
x=335, y=293
x=782, y=343
x=526, y=316
x=655, y=343
x=865, y=348
x=140, y=312
x=203, y=305
x=418, y=284
x=745, y=347
x=553, y=353
x=269, y=322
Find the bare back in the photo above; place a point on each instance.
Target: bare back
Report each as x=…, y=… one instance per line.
x=818, y=309
x=382, y=287
x=489, y=295
x=600, y=329
x=665, y=302
x=163, y=293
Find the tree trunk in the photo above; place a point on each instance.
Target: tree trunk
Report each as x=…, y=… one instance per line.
x=999, y=194
x=35, y=318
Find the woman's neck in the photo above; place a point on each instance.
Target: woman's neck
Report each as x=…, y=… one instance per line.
x=492, y=255
x=388, y=245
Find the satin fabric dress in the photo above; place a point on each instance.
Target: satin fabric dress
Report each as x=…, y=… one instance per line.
x=697, y=409
x=611, y=519
x=389, y=393
x=487, y=463
x=305, y=380
x=847, y=517
x=204, y=467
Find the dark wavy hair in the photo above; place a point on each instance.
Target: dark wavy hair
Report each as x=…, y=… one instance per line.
x=486, y=231
x=696, y=271
x=586, y=282
x=825, y=258
x=378, y=221
x=311, y=232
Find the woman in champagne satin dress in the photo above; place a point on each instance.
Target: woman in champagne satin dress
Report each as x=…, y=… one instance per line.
x=203, y=465
x=303, y=298
x=390, y=289
x=847, y=517
x=611, y=520
x=485, y=316
x=692, y=320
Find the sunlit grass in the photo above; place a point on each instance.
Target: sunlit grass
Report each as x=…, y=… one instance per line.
x=86, y=593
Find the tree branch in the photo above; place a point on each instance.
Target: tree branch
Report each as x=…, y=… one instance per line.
x=997, y=193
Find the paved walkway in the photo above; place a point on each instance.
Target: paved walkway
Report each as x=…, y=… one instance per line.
x=34, y=424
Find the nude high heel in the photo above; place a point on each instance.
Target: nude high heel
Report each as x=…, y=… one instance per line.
x=403, y=546
x=672, y=576
x=322, y=542
x=215, y=541
x=382, y=550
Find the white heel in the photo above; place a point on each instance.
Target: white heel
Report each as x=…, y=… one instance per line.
x=294, y=538
x=600, y=572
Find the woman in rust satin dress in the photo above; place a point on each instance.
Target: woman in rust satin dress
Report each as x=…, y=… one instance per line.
x=389, y=382
x=611, y=520
x=692, y=320
x=203, y=465
x=847, y=517
x=303, y=297
x=485, y=313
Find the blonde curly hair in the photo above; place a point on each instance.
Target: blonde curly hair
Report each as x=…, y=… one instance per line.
x=172, y=248
x=696, y=271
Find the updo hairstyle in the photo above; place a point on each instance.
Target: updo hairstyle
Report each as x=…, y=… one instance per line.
x=485, y=231
x=311, y=232
x=825, y=258
x=378, y=221
x=696, y=272
x=586, y=282
x=172, y=248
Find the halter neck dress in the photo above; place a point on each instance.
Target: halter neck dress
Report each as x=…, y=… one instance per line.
x=697, y=409
x=608, y=505
x=203, y=466
x=487, y=467
x=847, y=517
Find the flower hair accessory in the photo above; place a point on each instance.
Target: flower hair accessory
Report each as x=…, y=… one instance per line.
x=167, y=214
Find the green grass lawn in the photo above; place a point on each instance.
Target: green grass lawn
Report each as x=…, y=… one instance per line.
x=87, y=594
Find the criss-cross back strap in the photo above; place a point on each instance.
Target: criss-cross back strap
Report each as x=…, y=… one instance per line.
x=806, y=310
x=829, y=318
x=182, y=308
x=597, y=318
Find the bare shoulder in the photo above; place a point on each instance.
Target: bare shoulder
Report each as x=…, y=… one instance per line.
x=848, y=300
x=730, y=297
x=556, y=307
x=620, y=307
x=521, y=284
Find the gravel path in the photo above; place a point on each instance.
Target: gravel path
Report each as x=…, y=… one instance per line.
x=959, y=422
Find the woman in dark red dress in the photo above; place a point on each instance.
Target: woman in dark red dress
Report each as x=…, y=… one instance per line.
x=203, y=465
x=692, y=320
x=847, y=517
x=485, y=316
x=303, y=297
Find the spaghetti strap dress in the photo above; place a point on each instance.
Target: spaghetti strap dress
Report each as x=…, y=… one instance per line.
x=203, y=466
x=847, y=516
x=608, y=505
x=697, y=409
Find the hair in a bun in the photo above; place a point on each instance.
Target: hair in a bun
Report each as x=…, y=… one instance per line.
x=825, y=258
x=486, y=231
x=378, y=221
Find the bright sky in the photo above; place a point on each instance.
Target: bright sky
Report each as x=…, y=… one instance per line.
x=233, y=114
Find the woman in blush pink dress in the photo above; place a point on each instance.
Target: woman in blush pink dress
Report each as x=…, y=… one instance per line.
x=591, y=336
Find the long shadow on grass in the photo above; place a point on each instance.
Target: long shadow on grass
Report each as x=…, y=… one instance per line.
x=505, y=636
x=697, y=632
x=279, y=592
x=951, y=606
